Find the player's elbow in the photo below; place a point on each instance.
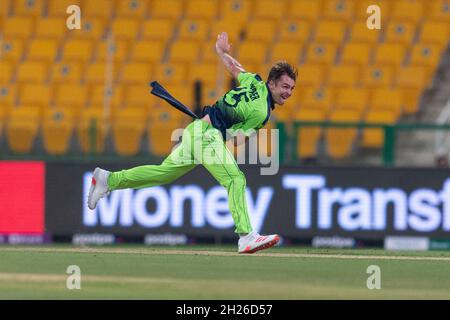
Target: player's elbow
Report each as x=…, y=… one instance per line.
x=236, y=70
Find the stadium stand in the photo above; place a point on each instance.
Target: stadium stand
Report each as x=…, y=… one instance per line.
x=65, y=78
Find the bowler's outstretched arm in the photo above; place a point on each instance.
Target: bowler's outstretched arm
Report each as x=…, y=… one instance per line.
x=223, y=50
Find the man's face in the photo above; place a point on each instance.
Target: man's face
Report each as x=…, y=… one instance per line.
x=281, y=89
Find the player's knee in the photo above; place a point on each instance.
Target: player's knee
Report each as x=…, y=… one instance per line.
x=241, y=178
x=237, y=177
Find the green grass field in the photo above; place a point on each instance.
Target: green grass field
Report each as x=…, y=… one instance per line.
x=208, y=272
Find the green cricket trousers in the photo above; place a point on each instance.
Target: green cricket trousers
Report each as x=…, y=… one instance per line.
x=201, y=144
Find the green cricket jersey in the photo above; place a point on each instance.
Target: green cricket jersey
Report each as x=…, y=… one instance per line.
x=244, y=108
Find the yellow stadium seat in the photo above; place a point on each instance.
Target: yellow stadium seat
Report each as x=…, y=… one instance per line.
x=157, y=29
x=125, y=28
x=411, y=77
x=439, y=10
x=211, y=92
x=138, y=96
x=117, y=51
x=286, y=50
x=77, y=51
x=128, y=129
x=12, y=49
x=427, y=55
x=231, y=27
x=166, y=113
x=147, y=51
x=340, y=141
x=317, y=97
x=408, y=9
x=21, y=128
x=18, y=27
x=435, y=33
x=252, y=52
x=98, y=8
x=259, y=69
x=237, y=11
x=32, y=72
x=5, y=8
x=71, y=95
x=37, y=95
x=42, y=50
x=352, y=98
x=285, y=113
x=166, y=9
x=207, y=73
x=97, y=73
x=31, y=8
x=132, y=8
x=343, y=76
x=270, y=10
x=91, y=28
x=311, y=75
x=261, y=30
x=184, y=51
x=360, y=33
x=182, y=93
x=321, y=53
x=412, y=80
x=130, y=112
x=411, y=98
x=8, y=96
x=294, y=30
x=374, y=137
x=51, y=28
x=305, y=9
x=58, y=8
x=57, y=129
x=171, y=73
x=92, y=130
x=387, y=99
x=159, y=132
x=377, y=76
x=308, y=136
x=208, y=51
x=2, y=120
x=100, y=95
x=390, y=53
x=401, y=32
x=358, y=53
x=136, y=73
x=6, y=72
x=339, y=9
x=66, y=72
x=362, y=5
x=193, y=29
x=330, y=30
x=201, y=9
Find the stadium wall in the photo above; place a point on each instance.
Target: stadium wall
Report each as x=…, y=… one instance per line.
x=300, y=203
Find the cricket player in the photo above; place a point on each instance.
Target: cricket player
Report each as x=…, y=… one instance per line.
x=240, y=111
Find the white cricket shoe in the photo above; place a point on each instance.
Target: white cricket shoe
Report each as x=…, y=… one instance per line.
x=99, y=187
x=254, y=242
